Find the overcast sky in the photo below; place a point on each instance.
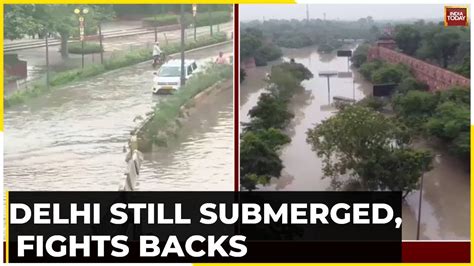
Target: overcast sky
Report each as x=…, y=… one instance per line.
x=342, y=11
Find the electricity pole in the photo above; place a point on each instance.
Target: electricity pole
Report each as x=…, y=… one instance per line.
x=194, y=19
x=419, y=209
x=100, y=43
x=183, y=79
x=307, y=13
x=47, y=60
x=210, y=18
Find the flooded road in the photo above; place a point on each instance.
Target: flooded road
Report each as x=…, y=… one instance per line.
x=310, y=106
x=72, y=138
x=445, y=207
x=203, y=156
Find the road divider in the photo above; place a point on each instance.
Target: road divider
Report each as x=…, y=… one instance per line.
x=163, y=123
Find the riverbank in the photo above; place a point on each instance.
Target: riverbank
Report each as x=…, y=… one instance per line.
x=61, y=79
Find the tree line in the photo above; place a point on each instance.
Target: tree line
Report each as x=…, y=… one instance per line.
x=442, y=114
x=41, y=20
x=263, y=137
x=327, y=34
x=38, y=20
x=448, y=47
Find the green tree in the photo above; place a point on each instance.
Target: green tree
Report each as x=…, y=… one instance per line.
x=390, y=73
x=39, y=19
x=415, y=107
x=359, y=56
x=367, y=68
x=408, y=38
x=270, y=111
x=257, y=157
x=19, y=21
x=440, y=44
x=364, y=144
x=449, y=120
x=465, y=68
x=396, y=170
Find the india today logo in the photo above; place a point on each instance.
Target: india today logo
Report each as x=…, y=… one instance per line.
x=455, y=16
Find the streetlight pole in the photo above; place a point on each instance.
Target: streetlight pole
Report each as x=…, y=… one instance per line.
x=155, y=29
x=47, y=59
x=194, y=19
x=183, y=79
x=81, y=13
x=210, y=17
x=419, y=209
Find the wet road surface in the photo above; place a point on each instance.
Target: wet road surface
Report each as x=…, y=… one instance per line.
x=72, y=138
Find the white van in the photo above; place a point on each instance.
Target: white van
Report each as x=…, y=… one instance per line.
x=168, y=78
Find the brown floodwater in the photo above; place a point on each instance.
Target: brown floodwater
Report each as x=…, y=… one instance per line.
x=73, y=137
x=445, y=204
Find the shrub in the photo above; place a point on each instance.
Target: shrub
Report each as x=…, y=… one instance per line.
x=115, y=62
x=449, y=120
x=389, y=73
x=411, y=83
x=218, y=17
x=202, y=19
x=270, y=111
x=368, y=68
x=415, y=106
x=201, y=41
x=373, y=103
x=167, y=111
x=89, y=48
x=359, y=56
x=162, y=20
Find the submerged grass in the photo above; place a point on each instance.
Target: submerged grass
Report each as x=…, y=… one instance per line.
x=123, y=60
x=166, y=112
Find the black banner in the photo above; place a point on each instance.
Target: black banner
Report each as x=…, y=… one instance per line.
x=384, y=90
x=344, y=53
x=205, y=227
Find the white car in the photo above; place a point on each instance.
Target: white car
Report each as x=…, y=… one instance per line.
x=168, y=78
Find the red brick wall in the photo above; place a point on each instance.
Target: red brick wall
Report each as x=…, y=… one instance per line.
x=436, y=77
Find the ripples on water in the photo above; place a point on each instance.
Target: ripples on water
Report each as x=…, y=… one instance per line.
x=445, y=212
x=72, y=139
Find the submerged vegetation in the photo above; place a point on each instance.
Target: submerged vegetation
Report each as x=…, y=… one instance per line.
x=253, y=44
x=441, y=114
x=264, y=136
x=122, y=60
x=363, y=146
x=164, y=121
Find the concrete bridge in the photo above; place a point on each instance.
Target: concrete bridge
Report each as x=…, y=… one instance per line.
x=435, y=77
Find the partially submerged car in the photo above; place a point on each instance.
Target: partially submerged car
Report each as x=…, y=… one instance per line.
x=168, y=78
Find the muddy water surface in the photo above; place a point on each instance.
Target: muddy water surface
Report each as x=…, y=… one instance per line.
x=445, y=203
x=73, y=137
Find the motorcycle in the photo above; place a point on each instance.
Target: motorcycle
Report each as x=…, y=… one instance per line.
x=159, y=60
